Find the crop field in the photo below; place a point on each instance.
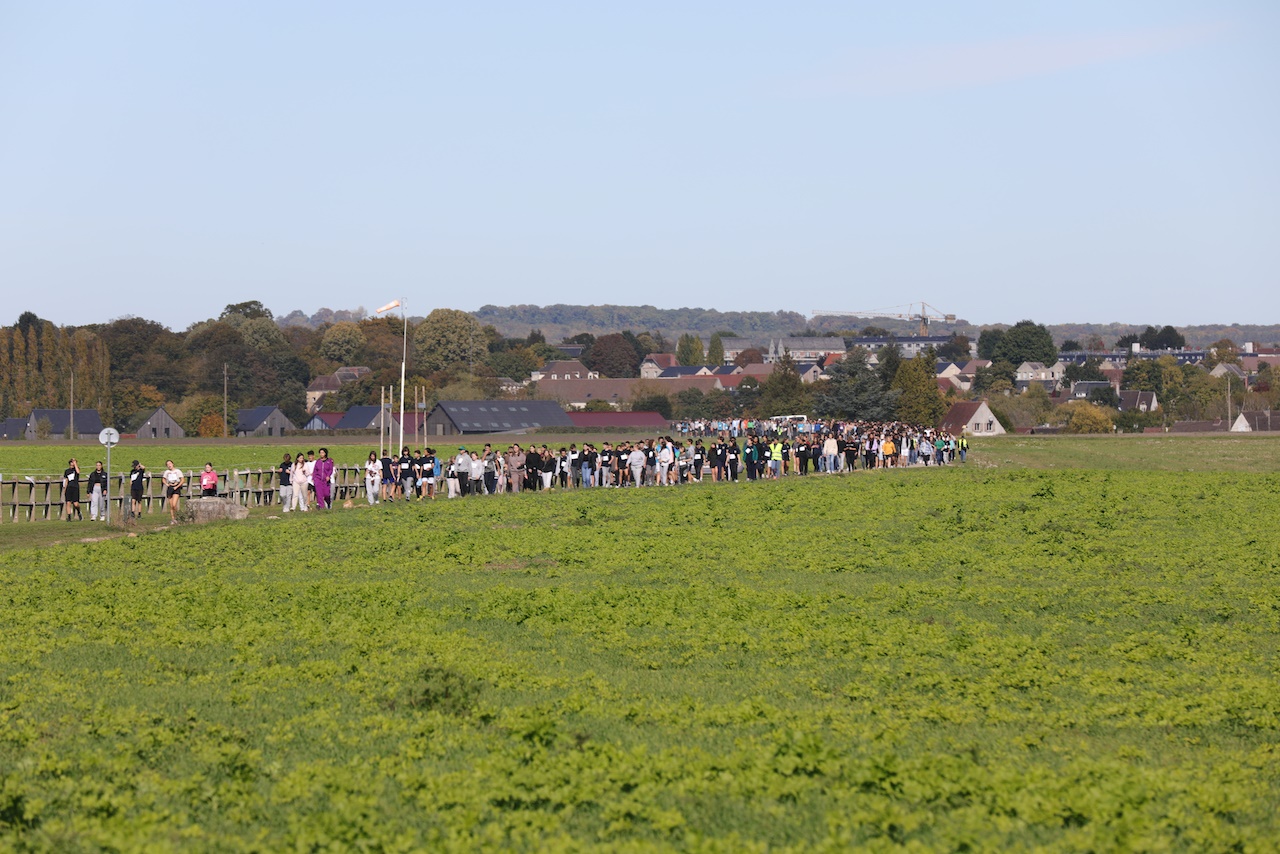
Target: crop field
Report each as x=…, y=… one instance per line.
x=996, y=657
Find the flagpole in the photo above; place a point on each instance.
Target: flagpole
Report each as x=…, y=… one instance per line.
x=404, y=357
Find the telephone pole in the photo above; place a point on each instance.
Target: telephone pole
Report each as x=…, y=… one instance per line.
x=224, y=400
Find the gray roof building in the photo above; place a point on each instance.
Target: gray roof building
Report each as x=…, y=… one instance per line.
x=454, y=417
x=88, y=424
x=263, y=421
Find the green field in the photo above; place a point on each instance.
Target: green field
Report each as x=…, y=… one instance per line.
x=997, y=657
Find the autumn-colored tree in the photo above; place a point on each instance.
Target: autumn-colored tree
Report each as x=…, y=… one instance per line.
x=613, y=356
x=211, y=426
x=1079, y=416
x=749, y=356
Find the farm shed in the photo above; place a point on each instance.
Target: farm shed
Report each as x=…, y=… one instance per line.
x=88, y=424
x=263, y=421
x=155, y=424
x=455, y=417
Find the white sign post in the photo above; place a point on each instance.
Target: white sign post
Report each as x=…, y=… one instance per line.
x=109, y=437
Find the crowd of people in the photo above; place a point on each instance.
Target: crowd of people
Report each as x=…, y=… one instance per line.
x=763, y=451
x=760, y=454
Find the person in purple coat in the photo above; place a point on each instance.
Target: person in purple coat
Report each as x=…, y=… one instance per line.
x=322, y=478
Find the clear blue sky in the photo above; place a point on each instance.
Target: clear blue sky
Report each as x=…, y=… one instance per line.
x=1065, y=162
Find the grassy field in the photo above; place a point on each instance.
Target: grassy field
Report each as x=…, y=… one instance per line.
x=1226, y=452
x=1000, y=657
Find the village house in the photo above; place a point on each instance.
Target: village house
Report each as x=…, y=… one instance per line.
x=564, y=369
x=972, y=418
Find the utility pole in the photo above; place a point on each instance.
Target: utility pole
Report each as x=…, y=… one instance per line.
x=71, y=407
x=224, y=400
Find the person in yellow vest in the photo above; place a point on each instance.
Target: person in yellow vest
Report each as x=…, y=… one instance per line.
x=890, y=451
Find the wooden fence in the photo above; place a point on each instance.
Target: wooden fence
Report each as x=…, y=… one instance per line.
x=30, y=500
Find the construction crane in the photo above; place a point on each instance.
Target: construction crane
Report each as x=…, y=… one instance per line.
x=923, y=316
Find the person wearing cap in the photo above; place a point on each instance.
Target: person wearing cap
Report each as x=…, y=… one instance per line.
x=462, y=467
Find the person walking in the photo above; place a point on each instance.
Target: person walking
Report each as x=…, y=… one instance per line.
x=299, y=481
x=372, y=477
x=174, y=480
x=137, y=483
x=97, y=493
x=71, y=490
x=284, y=476
x=322, y=475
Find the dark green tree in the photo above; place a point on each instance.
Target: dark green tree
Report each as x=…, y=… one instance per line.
x=920, y=401
x=689, y=350
x=715, y=349
x=1090, y=371
x=783, y=392
x=996, y=372
x=1026, y=341
x=1070, y=345
x=853, y=390
x=888, y=361
x=955, y=349
x=988, y=341
x=659, y=403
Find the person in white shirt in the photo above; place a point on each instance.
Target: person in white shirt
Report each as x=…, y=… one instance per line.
x=635, y=460
x=665, y=457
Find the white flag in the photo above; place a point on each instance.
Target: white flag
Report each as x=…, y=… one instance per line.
x=395, y=303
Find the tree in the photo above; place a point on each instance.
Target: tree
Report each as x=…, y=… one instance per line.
x=448, y=337
x=1093, y=342
x=888, y=360
x=659, y=403
x=1166, y=338
x=749, y=356
x=613, y=356
x=1091, y=370
x=691, y=403
x=955, y=349
x=211, y=426
x=689, y=350
x=1223, y=350
x=598, y=405
x=853, y=390
x=1026, y=341
x=1124, y=342
x=715, y=350
x=261, y=333
x=783, y=392
x=1070, y=345
x=241, y=311
x=986, y=379
x=535, y=337
x=874, y=332
x=1105, y=397
x=988, y=341
x=920, y=402
x=1081, y=417
x=343, y=343
x=585, y=339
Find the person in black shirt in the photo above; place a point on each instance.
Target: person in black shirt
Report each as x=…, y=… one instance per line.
x=533, y=469
x=97, y=493
x=406, y=473
x=137, y=484
x=285, y=474
x=699, y=459
x=389, y=476
x=71, y=489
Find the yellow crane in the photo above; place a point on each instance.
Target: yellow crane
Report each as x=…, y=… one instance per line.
x=923, y=316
